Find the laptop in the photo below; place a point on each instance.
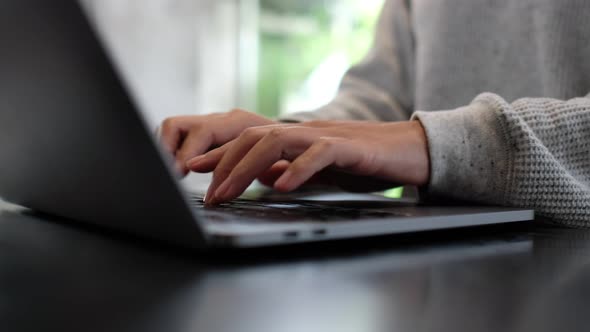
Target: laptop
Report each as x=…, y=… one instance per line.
x=74, y=144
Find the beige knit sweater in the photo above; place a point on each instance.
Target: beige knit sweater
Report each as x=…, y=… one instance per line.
x=513, y=77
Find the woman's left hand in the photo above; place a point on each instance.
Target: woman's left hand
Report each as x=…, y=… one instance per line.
x=392, y=152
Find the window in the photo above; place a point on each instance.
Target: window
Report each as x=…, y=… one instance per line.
x=201, y=56
x=305, y=48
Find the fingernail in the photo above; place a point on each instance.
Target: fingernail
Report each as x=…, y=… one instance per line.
x=208, y=196
x=222, y=190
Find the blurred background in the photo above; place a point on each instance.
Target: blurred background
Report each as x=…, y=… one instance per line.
x=202, y=56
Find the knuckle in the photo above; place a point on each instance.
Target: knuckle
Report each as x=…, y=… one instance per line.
x=251, y=132
x=299, y=167
x=276, y=133
x=248, y=132
x=237, y=112
x=325, y=143
x=169, y=123
x=183, y=122
x=196, y=126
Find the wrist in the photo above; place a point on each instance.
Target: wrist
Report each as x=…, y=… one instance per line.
x=422, y=155
x=409, y=159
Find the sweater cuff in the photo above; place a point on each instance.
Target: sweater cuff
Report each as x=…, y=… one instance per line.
x=469, y=153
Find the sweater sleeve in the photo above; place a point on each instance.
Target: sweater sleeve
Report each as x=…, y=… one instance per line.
x=381, y=86
x=532, y=153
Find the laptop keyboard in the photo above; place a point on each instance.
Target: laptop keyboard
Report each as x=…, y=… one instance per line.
x=285, y=211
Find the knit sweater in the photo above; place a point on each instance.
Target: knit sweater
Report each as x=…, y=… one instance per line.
x=501, y=88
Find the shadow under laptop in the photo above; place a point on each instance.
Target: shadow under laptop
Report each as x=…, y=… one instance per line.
x=445, y=239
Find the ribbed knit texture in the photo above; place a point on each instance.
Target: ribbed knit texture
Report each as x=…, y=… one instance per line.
x=550, y=147
x=524, y=144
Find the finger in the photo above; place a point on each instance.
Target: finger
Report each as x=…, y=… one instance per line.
x=236, y=151
x=170, y=134
x=206, y=163
x=196, y=143
x=328, y=151
x=270, y=176
x=276, y=145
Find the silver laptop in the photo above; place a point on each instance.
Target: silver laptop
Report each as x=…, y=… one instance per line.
x=73, y=144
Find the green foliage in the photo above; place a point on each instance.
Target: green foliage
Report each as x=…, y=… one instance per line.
x=288, y=57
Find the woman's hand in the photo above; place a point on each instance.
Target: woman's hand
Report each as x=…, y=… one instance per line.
x=186, y=137
x=390, y=152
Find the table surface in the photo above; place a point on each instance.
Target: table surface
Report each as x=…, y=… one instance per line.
x=56, y=276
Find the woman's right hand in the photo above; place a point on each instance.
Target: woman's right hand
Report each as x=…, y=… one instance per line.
x=186, y=137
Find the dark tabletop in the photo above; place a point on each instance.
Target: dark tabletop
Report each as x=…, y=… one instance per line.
x=56, y=276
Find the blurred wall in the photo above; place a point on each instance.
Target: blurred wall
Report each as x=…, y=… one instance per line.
x=181, y=56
